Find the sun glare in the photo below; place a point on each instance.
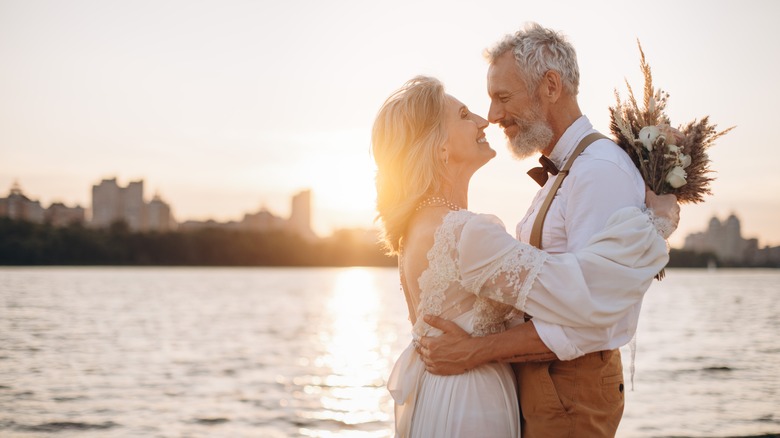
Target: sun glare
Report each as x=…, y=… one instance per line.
x=354, y=387
x=343, y=192
x=348, y=187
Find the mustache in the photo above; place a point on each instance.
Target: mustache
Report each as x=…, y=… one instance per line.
x=507, y=123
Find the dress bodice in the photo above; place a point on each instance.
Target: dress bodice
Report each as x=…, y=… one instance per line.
x=448, y=291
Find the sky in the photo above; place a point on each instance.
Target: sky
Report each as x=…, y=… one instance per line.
x=227, y=107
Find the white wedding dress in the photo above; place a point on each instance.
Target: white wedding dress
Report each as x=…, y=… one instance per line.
x=481, y=402
x=477, y=276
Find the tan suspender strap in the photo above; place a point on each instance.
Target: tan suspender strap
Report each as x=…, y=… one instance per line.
x=536, y=231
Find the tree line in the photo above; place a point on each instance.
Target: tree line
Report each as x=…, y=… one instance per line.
x=27, y=243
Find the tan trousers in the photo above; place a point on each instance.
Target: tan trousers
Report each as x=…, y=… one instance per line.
x=577, y=398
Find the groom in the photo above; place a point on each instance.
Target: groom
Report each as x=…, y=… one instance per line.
x=570, y=378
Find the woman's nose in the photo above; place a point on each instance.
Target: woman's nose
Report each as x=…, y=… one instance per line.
x=481, y=123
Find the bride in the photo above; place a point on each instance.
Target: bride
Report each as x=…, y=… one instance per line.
x=460, y=265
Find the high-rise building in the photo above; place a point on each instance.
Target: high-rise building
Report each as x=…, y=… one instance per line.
x=300, y=215
x=262, y=221
x=60, y=215
x=158, y=215
x=107, y=203
x=134, y=208
x=724, y=239
x=17, y=206
x=112, y=203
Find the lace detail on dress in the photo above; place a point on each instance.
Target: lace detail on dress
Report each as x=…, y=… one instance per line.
x=442, y=269
x=490, y=316
x=498, y=293
x=664, y=226
x=509, y=278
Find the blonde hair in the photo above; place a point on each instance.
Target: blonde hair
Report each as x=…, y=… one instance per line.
x=407, y=138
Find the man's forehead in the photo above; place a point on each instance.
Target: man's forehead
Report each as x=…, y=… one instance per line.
x=503, y=75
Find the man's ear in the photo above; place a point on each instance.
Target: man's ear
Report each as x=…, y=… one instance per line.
x=551, y=86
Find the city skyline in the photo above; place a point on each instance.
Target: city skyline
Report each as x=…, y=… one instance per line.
x=112, y=202
x=228, y=108
x=703, y=239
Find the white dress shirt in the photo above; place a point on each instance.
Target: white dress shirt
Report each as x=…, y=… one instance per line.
x=602, y=180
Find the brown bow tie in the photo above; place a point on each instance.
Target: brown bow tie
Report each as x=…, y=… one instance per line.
x=539, y=174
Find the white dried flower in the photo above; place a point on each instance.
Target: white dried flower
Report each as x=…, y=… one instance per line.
x=685, y=160
x=676, y=177
x=648, y=135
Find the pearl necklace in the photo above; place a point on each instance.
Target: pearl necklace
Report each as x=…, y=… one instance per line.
x=436, y=201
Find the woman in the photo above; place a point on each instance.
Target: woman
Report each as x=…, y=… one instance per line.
x=427, y=145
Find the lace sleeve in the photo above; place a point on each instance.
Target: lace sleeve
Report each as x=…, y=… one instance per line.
x=508, y=280
x=496, y=266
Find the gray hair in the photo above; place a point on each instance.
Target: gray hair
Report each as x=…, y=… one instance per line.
x=538, y=50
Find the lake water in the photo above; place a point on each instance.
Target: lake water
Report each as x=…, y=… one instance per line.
x=269, y=352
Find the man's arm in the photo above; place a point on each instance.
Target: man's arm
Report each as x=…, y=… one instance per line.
x=599, y=188
x=606, y=270
x=590, y=292
x=455, y=351
x=594, y=287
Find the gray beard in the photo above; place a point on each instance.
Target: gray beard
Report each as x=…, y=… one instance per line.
x=532, y=138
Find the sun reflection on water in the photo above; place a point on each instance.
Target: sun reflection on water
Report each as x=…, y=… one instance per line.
x=352, y=390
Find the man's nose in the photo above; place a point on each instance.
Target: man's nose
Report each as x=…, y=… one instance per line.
x=495, y=113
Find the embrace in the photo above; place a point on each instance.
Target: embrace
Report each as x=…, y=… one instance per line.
x=512, y=334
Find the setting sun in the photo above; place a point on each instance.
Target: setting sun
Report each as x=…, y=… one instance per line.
x=344, y=193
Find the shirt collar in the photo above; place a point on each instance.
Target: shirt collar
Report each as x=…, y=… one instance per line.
x=569, y=140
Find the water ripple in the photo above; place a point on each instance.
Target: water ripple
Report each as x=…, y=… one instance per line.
x=305, y=352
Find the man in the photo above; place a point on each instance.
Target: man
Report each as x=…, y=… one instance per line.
x=568, y=368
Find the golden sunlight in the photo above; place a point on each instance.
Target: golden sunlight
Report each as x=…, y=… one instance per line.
x=344, y=192
x=353, y=392
x=341, y=179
